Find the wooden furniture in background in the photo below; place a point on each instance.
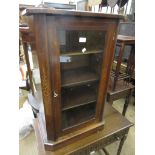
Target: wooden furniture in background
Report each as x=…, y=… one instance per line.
x=119, y=84
x=26, y=29
x=116, y=129
x=75, y=51
x=123, y=90
x=29, y=47
x=127, y=29
x=27, y=38
x=122, y=41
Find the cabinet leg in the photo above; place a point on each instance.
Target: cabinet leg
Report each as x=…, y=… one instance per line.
x=121, y=144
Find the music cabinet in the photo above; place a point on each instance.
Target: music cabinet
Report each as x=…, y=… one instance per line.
x=75, y=52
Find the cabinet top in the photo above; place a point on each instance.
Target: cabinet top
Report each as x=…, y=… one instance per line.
x=51, y=11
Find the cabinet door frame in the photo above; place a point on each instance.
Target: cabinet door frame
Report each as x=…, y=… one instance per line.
x=78, y=23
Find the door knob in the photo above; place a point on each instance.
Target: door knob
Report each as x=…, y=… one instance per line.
x=55, y=94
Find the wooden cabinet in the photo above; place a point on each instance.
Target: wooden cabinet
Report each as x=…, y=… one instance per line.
x=75, y=52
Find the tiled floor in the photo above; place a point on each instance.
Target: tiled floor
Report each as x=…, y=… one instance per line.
x=28, y=146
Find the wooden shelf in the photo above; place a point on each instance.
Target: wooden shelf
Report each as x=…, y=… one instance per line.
x=77, y=116
x=78, y=77
x=78, y=97
x=79, y=53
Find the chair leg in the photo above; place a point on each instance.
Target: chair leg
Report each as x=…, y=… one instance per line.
x=127, y=100
x=110, y=101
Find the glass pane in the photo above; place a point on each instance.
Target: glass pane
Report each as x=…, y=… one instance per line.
x=81, y=41
x=81, y=54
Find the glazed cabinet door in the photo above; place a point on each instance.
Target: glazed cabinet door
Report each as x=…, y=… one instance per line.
x=81, y=55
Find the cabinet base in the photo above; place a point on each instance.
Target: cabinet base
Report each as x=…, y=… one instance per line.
x=68, y=138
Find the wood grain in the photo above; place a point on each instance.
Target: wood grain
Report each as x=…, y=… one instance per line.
x=47, y=23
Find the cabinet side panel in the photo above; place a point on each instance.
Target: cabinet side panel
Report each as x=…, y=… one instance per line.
x=54, y=56
x=44, y=66
x=106, y=68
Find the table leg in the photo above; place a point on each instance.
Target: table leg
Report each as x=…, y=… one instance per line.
x=28, y=66
x=121, y=144
x=105, y=151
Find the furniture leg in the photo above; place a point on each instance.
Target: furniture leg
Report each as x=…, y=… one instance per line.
x=110, y=101
x=127, y=99
x=118, y=64
x=105, y=151
x=125, y=106
x=131, y=62
x=28, y=66
x=121, y=144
